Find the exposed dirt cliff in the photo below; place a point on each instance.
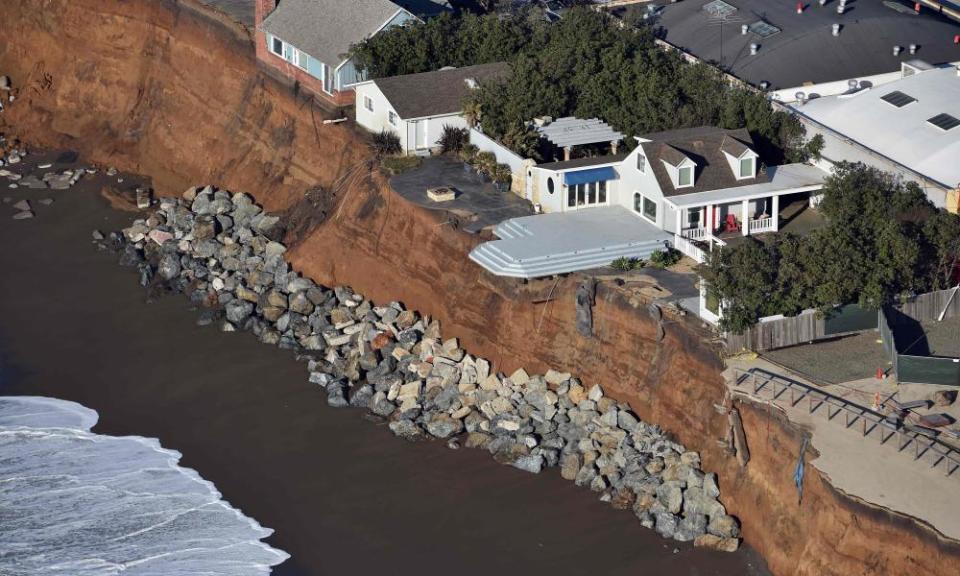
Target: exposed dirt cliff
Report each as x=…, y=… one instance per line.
x=168, y=89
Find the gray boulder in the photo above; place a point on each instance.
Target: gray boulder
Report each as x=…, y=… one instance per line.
x=666, y=524
x=238, y=310
x=443, y=426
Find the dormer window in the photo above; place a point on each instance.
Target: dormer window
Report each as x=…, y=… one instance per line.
x=746, y=168
x=685, y=177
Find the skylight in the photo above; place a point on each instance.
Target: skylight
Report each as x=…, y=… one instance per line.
x=898, y=98
x=944, y=121
x=719, y=9
x=763, y=29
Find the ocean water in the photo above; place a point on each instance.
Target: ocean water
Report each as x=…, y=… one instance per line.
x=82, y=504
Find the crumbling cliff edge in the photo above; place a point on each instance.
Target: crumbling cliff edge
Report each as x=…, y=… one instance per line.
x=168, y=89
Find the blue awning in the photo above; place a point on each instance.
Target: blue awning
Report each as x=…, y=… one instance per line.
x=587, y=176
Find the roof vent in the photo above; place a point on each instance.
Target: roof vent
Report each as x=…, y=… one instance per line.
x=913, y=48
x=897, y=50
x=754, y=48
x=801, y=97
x=836, y=29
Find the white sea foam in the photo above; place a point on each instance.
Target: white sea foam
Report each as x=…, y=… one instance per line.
x=82, y=504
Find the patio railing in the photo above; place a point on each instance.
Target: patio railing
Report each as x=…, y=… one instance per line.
x=694, y=233
x=761, y=225
x=686, y=246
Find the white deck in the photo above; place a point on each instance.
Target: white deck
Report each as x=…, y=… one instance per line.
x=558, y=243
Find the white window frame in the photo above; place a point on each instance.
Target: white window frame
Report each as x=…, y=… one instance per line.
x=643, y=200
x=295, y=58
x=753, y=168
x=680, y=183
x=642, y=163
x=368, y=103
x=392, y=118
x=273, y=41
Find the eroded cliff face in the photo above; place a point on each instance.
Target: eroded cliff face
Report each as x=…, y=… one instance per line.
x=166, y=88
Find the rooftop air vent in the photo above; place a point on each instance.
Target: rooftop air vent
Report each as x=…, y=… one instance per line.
x=898, y=99
x=944, y=122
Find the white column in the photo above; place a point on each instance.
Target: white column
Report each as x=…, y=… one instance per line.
x=775, y=209
x=679, y=220
x=745, y=217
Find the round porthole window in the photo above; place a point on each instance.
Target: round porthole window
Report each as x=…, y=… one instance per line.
x=550, y=184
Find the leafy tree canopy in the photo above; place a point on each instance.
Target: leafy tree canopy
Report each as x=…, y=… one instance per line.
x=584, y=65
x=883, y=238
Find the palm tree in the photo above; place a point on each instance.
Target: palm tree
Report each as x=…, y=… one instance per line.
x=471, y=112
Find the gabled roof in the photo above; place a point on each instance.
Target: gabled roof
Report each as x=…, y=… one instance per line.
x=325, y=29
x=435, y=93
x=703, y=146
x=733, y=147
x=671, y=155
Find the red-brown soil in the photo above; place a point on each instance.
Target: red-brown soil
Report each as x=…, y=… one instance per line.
x=168, y=89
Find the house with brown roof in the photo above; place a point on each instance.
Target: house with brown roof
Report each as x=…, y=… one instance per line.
x=699, y=184
x=416, y=107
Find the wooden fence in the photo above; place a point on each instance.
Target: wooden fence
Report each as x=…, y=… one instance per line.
x=809, y=326
x=928, y=307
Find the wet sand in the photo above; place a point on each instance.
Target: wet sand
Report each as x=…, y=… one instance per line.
x=342, y=493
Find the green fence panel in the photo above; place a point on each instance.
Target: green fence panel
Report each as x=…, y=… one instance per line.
x=928, y=370
x=850, y=318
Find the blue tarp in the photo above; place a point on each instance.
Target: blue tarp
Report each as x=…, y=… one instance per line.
x=587, y=176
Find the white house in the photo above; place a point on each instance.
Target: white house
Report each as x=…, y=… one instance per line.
x=693, y=182
x=417, y=106
x=694, y=189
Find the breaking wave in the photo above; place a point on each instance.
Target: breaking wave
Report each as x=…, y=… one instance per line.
x=82, y=504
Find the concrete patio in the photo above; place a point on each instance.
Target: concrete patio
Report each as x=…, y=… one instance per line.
x=559, y=243
x=478, y=201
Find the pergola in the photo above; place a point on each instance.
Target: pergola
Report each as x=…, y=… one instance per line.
x=570, y=131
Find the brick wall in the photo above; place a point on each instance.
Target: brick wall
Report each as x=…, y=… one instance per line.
x=287, y=70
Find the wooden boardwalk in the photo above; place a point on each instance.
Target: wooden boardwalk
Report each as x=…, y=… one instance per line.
x=923, y=443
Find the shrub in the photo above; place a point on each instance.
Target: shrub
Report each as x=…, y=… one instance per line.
x=385, y=142
x=469, y=153
x=625, y=264
x=502, y=174
x=665, y=258
x=398, y=164
x=486, y=162
x=452, y=140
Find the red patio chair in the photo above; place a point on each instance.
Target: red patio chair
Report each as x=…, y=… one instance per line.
x=731, y=224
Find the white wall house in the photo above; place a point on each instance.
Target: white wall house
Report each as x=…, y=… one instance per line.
x=416, y=107
x=698, y=184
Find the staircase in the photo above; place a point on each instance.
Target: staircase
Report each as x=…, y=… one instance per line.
x=496, y=258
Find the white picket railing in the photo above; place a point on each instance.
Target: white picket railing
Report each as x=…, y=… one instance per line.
x=689, y=248
x=694, y=233
x=761, y=225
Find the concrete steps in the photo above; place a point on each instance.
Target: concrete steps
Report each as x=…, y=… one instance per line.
x=510, y=229
x=495, y=257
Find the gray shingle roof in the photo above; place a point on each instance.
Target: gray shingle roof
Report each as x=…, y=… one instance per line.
x=435, y=93
x=325, y=29
x=703, y=146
